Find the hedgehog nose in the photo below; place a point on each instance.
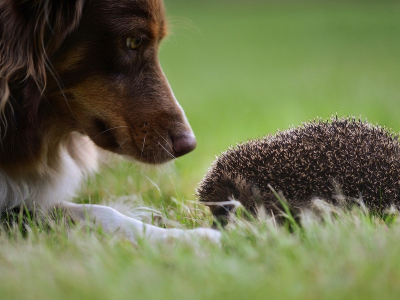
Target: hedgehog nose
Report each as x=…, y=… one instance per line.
x=183, y=143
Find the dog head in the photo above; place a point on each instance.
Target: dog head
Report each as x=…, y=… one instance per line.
x=99, y=62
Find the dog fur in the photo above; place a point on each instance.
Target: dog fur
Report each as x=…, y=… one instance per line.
x=70, y=84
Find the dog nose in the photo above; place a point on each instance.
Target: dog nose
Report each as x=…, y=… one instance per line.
x=183, y=144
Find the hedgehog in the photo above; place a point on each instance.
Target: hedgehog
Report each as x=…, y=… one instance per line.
x=330, y=160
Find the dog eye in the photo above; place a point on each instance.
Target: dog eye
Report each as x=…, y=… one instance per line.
x=133, y=43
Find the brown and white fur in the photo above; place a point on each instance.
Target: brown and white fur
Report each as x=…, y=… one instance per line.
x=77, y=76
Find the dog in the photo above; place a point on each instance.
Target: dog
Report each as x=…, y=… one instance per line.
x=76, y=77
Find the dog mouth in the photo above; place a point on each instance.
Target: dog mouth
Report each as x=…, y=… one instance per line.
x=141, y=143
x=104, y=136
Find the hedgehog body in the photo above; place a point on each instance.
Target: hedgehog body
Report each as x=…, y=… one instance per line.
x=320, y=159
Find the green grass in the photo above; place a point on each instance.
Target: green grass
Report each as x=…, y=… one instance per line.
x=353, y=257
x=240, y=69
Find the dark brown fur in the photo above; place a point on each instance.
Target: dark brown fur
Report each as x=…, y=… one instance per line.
x=321, y=159
x=64, y=67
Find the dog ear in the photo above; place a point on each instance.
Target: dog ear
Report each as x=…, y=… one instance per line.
x=30, y=32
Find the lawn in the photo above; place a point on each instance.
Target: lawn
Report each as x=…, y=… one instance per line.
x=240, y=69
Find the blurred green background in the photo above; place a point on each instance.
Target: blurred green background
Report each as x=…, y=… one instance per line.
x=243, y=69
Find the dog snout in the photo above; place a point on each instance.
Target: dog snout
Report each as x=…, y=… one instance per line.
x=183, y=143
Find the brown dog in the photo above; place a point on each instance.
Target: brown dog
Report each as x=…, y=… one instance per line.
x=70, y=70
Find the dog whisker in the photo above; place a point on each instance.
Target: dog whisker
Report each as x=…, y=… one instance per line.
x=58, y=81
x=144, y=141
x=113, y=153
x=120, y=146
x=154, y=156
x=167, y=151
x=184, y=23
x=164, y=139
x=80, y=146
x=117, y=127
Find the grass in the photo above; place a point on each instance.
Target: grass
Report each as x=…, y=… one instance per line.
x=240, y=69
x=354, y=256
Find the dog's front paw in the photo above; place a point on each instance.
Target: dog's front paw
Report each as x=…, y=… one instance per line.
x=188, y=235
x=207, y=233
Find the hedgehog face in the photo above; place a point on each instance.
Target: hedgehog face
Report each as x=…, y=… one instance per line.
x=222, y=197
